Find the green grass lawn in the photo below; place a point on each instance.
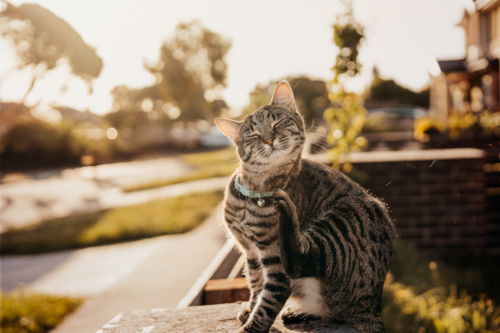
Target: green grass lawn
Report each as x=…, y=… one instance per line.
x=218, y=163
x=26, y=312
x=226, y=155
x=159, y=217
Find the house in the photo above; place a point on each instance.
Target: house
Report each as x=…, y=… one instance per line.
x=471, y=84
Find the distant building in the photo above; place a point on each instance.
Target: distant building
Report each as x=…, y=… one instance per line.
x=471, y=84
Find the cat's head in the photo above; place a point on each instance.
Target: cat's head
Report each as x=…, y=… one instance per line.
x=273, y=134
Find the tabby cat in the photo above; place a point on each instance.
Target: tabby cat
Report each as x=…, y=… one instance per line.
x=312, y=238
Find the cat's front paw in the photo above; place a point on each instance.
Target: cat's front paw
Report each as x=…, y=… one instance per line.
x=290, y=316
x=280, y=195
x=282, y=202
x=244, y=315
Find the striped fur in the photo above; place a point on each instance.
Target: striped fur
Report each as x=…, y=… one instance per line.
x=321, y=242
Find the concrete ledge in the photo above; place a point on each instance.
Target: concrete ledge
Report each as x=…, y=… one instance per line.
x=407, y=155
x=204, y=319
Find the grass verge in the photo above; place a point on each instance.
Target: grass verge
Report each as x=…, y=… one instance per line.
x=159, y=217
x=26, y=312
x=218, y=163
x=213, y=157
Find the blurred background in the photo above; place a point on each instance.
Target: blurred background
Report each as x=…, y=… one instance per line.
x=112, y=171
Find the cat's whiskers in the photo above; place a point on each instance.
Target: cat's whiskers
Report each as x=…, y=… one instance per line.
x=326, y=149
x=324, y=137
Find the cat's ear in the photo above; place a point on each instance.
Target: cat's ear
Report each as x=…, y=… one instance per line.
x=231, y=128
x=283, y=95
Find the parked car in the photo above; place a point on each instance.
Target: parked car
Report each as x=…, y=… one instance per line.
x=392, y=119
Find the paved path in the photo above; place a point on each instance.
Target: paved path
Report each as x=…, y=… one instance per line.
x=146, y=274
x=71, y=191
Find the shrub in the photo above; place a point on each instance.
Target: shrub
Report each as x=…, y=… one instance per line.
x=33, y=142
x=437, y=310
x=459, y=126
x=26, y=312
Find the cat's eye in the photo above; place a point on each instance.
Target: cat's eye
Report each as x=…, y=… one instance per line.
x=279, y=123
x=253, y=137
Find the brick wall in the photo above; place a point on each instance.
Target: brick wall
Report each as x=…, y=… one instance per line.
x=444, y=201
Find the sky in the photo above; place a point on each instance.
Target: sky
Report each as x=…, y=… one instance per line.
x=270, y=40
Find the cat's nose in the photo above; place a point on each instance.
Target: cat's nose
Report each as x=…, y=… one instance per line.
x=270, y=142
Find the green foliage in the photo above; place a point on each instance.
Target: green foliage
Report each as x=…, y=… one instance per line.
x=345, y=125
x=437, y=310
x=475, y=274
x=131, y=119
x=159, y=217
x=347, y=119
x=38, y=142
x=415, y=295
x=128, y=108
x=459, y=126
x=27, y=312
x=389, y=92
x=347, y=36
x=41, y=38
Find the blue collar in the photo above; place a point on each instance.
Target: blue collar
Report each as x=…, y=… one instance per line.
x=242, y=189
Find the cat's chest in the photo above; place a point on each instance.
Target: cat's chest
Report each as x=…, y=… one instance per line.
x=253, y=222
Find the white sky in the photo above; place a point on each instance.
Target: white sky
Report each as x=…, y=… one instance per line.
x=271, y=40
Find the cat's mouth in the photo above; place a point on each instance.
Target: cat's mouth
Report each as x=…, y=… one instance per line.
x=279, y=151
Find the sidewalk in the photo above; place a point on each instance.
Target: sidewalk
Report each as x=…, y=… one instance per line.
x=146, y=274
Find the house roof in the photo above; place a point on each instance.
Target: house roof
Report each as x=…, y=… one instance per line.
x=79, y=116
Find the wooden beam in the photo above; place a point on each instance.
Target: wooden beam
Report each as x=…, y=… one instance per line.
x=224, y=291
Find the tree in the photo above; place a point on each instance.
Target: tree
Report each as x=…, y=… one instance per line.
x=311, y=96
x=191, y=71
x=41, y=39
x=348, y=34
x=128, y=112
x=347, y=119
x=388, y=92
